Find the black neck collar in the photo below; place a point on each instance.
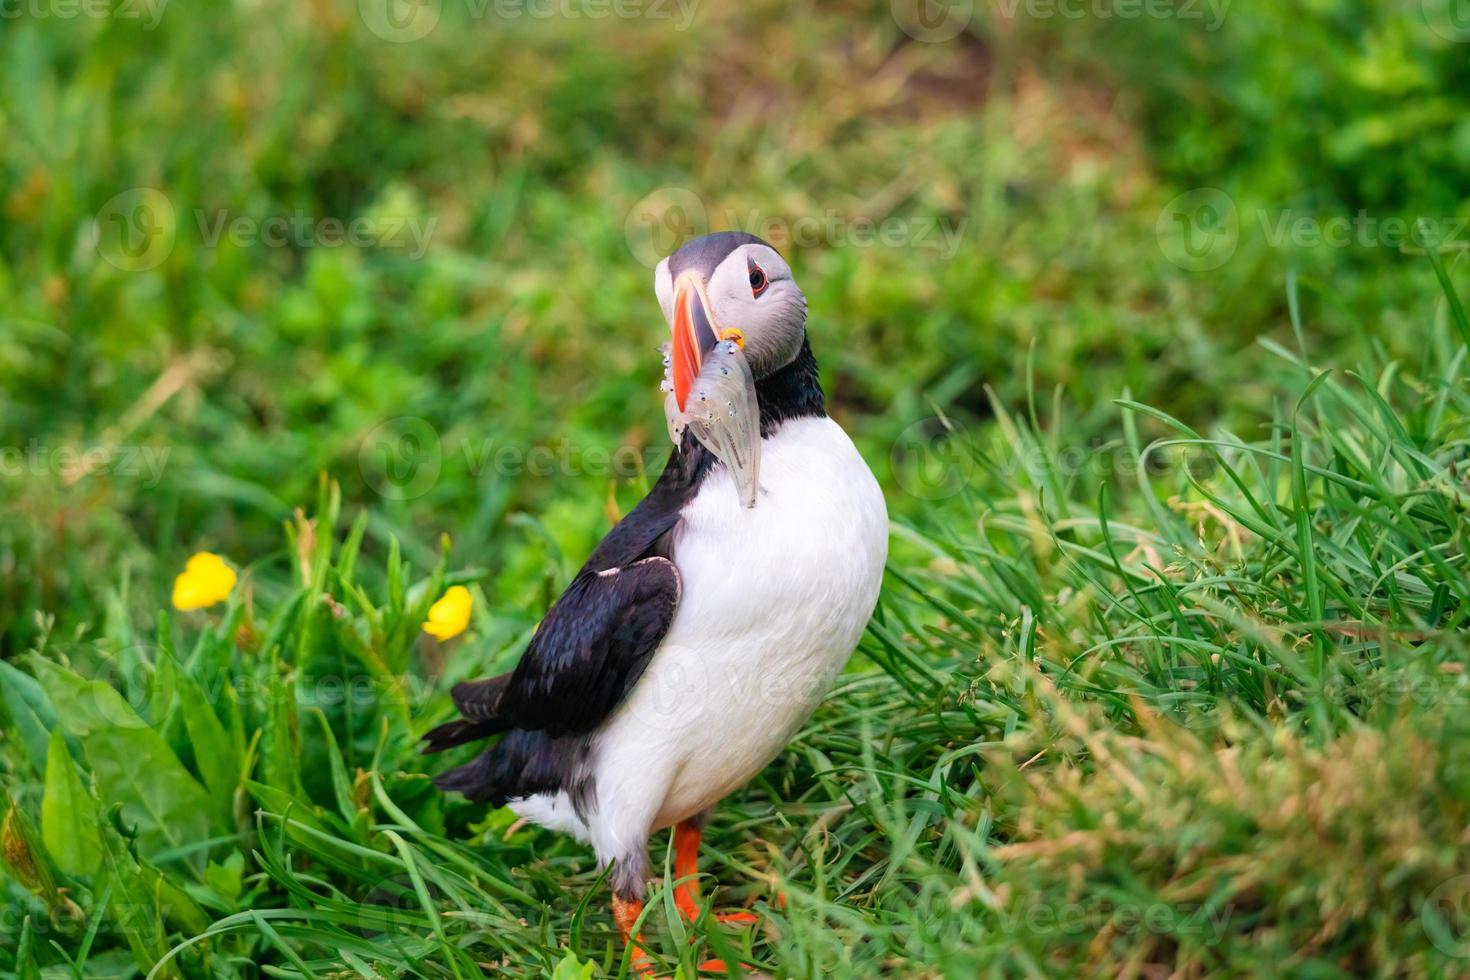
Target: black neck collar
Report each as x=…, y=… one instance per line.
x=791, y=392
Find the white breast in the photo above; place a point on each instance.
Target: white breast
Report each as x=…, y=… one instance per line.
x=774, y=599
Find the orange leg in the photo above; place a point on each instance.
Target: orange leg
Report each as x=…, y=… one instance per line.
x=686, y=869
x=625, y=914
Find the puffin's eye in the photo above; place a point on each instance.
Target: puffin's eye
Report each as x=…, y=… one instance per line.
x=758, y=282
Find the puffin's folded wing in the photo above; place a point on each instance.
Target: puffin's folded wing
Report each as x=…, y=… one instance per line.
x=480, y=700
x=591, y=648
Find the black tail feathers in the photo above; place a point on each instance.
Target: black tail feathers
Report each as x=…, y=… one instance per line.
x=521, y=764
x=462, y=732
x=477, y=702
x=476, y=779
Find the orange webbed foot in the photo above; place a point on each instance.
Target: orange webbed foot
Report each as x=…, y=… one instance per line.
x=686, y=869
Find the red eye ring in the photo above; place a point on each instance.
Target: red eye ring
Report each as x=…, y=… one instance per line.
x=758, y=280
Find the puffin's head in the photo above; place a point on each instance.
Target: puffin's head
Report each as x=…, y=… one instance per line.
x=729, y=285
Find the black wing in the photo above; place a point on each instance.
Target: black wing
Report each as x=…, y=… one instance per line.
x=591, y=647
x=597, y=638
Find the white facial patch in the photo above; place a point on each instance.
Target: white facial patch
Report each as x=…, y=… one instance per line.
x=663, y=288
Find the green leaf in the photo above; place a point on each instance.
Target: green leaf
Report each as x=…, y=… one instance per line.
x=280, y=762
x=214, y=750
x=23, y=854
x=140, y=899
x=68, y=816
x=277, y=801
x=29, y=711
x=135, y=767
x=347, y=558
x=25, y=953
x=163, y=693
x=571, y=968
x=227, y=877
x=84, y=706
x=131, y=763
x=341, y=782
x=1457, y=309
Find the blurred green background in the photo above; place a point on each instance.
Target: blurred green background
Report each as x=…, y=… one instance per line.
x=209, y=338
x=409, y=246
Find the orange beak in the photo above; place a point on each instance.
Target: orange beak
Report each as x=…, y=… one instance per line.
x=694, y=334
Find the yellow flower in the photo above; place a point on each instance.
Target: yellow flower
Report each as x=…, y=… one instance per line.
x=451, y=614
x=205, y=580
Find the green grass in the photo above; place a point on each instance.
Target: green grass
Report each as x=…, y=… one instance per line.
x=1169, y=672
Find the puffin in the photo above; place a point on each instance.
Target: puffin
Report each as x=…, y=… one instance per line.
x=712, y=619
